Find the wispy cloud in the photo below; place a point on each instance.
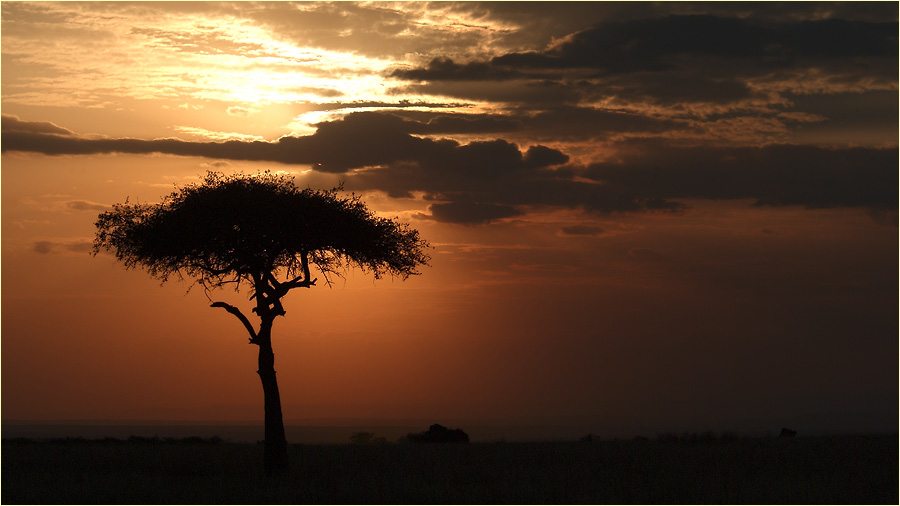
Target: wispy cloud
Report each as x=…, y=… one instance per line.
x=59, y=247
x=241, y=112
x=217, y=136
x=85, y=205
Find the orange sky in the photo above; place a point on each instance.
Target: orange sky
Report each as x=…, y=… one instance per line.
x=681, y=233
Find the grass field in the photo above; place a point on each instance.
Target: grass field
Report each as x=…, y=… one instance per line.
x=826, y=470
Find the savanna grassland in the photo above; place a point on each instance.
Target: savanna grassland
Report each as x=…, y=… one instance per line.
x=827, y=470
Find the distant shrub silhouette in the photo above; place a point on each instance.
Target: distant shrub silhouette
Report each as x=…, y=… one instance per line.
x=361, y=438
x=785, y=432
x=438, y=434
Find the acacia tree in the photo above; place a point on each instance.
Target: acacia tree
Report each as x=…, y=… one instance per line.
x=264, y=233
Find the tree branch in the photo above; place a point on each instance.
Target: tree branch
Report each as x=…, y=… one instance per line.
x=297, y=283
x=240, y=316
x=301, y=281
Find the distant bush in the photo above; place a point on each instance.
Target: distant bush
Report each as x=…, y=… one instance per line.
x=362, y=438
x=785, y=432
x=438, y=434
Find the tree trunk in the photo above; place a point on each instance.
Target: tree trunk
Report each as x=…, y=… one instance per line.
x=276, y=458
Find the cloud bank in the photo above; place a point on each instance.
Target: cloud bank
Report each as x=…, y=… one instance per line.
x=485, y=181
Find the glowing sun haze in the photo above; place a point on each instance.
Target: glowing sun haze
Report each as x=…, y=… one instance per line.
x=644, y=216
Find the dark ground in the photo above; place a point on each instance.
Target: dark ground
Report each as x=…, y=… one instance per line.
x=824, y=470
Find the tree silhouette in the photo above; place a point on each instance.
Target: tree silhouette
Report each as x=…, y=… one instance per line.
x=264, y=233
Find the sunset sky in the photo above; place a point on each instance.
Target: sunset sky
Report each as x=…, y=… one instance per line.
x=673, y=216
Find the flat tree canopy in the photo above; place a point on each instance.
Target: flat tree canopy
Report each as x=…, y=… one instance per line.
x=243, y=229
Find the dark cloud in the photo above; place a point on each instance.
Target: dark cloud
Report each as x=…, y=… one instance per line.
x=853, y=118
x=582, y=230
x=659, y=44
x=355, y=141
x=654, y=177
x=484, y=181
x=42, y=247
x=536, y=93
x=398, y=105
x=11, y=124
x=558, y=123
x=79, y=247
x=789, y=11
x=838, y=38
x=642, y=45
x=541, y=156
x=470, y=213
x=495, y=174
x=671, y=59
x=445, y=69
x=58, y=145
x=679, y=86
x=431, y=122
x=776, y=175
x=587, y=123
x=516, y=184
x=544, y=20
